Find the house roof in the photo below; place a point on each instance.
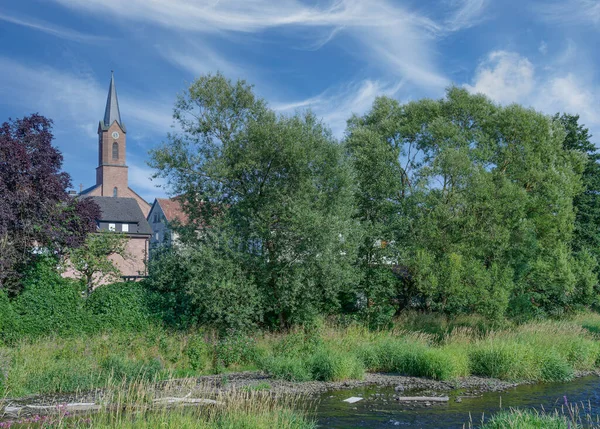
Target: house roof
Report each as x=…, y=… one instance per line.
x=173, y=210
x=125, y=210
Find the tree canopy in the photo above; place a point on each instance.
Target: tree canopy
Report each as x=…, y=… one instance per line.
x=478, y=199
x=36, y=213
x=272, y=194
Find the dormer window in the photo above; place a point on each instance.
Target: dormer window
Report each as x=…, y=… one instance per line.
x=115, y=151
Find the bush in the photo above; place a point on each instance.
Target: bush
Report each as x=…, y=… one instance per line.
x=8, y=321
x=236, y=348
x=554, y=368
x=49, y=304
x=121, y=368
x=333, y=365
x=291, y=368
x=119, y=306
x=197, y=352
x=503, y=360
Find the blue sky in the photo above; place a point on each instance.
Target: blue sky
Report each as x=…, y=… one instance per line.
x=333, y=56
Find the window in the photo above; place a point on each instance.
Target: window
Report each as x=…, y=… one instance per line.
x=156, y=236
x=115, y=192
x=112, y=227
x=156, y=218
x=125, y=227
x=115, y=150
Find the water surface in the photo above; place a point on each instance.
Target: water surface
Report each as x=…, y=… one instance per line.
x=379, y=409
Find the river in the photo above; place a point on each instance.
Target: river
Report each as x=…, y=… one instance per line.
x=380, y=409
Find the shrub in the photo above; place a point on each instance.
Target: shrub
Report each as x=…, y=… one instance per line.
x=119, y=306
x=554, y=368
x=291, y=368
x=121, y=368
x=506, y=360
x=196, y=351
x=8, y=321
x=334, y=365
x=236, y=348
x=48, y=303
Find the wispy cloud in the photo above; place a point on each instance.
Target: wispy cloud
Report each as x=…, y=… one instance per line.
x=76, y=99
x=465, y=14
x=54, y=30
x=386, y=35
x=335, y=106
x=570, y=12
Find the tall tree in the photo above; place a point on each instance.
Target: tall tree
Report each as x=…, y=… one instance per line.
x=35, y=210
x=587, y=203
x=277, y=188
x=484, y=196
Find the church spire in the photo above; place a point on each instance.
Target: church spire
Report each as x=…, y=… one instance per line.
x=111, y=113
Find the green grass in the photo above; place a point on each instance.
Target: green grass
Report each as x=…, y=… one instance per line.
x=130, y=406
x=571, y=417
x=537, y=351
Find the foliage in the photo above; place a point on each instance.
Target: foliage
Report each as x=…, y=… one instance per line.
x=272, y=194
x=93, y=260
x=481, y=198
x=587, y=204
x=120, y=306
x=548, y=351
x=35, y=209
x=48, y=302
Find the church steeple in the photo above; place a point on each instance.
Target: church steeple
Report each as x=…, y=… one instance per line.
x=112, y=113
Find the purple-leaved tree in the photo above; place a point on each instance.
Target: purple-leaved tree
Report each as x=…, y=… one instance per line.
x=36, y=211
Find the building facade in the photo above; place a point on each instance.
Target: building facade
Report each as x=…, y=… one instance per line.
x=163, y=213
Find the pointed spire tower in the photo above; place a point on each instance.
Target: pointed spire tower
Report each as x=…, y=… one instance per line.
x=111, y=173
x=112, y=113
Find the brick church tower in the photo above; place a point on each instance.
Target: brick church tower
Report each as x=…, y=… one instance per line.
x=112, y=171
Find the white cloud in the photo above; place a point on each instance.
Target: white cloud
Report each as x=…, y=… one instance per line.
x=386, y=35
x=504, y=76
x=543, y=48
x=54, y=30
x=507, y=77
x=336, y=106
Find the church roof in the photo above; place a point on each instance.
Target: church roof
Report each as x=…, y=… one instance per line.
x=112, y=112
x=125, y=210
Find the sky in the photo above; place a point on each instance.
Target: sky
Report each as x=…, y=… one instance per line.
x=331, y=56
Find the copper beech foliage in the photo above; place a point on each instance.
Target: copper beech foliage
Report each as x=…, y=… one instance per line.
x=36, y=212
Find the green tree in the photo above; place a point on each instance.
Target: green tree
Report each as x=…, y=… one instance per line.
x=482, y=202
x=587, y=203
x=275, y=190
x=93, y=259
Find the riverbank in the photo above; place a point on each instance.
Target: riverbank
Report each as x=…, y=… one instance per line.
x=325, y=356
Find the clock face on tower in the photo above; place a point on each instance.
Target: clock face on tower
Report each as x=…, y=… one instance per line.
x=115, y=135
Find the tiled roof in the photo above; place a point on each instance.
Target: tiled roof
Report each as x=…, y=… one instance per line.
x=173, y=209
x=122, y=210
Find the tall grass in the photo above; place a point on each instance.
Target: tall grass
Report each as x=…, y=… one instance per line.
x=567, y=417
x=539, y=351
x=131, y=406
